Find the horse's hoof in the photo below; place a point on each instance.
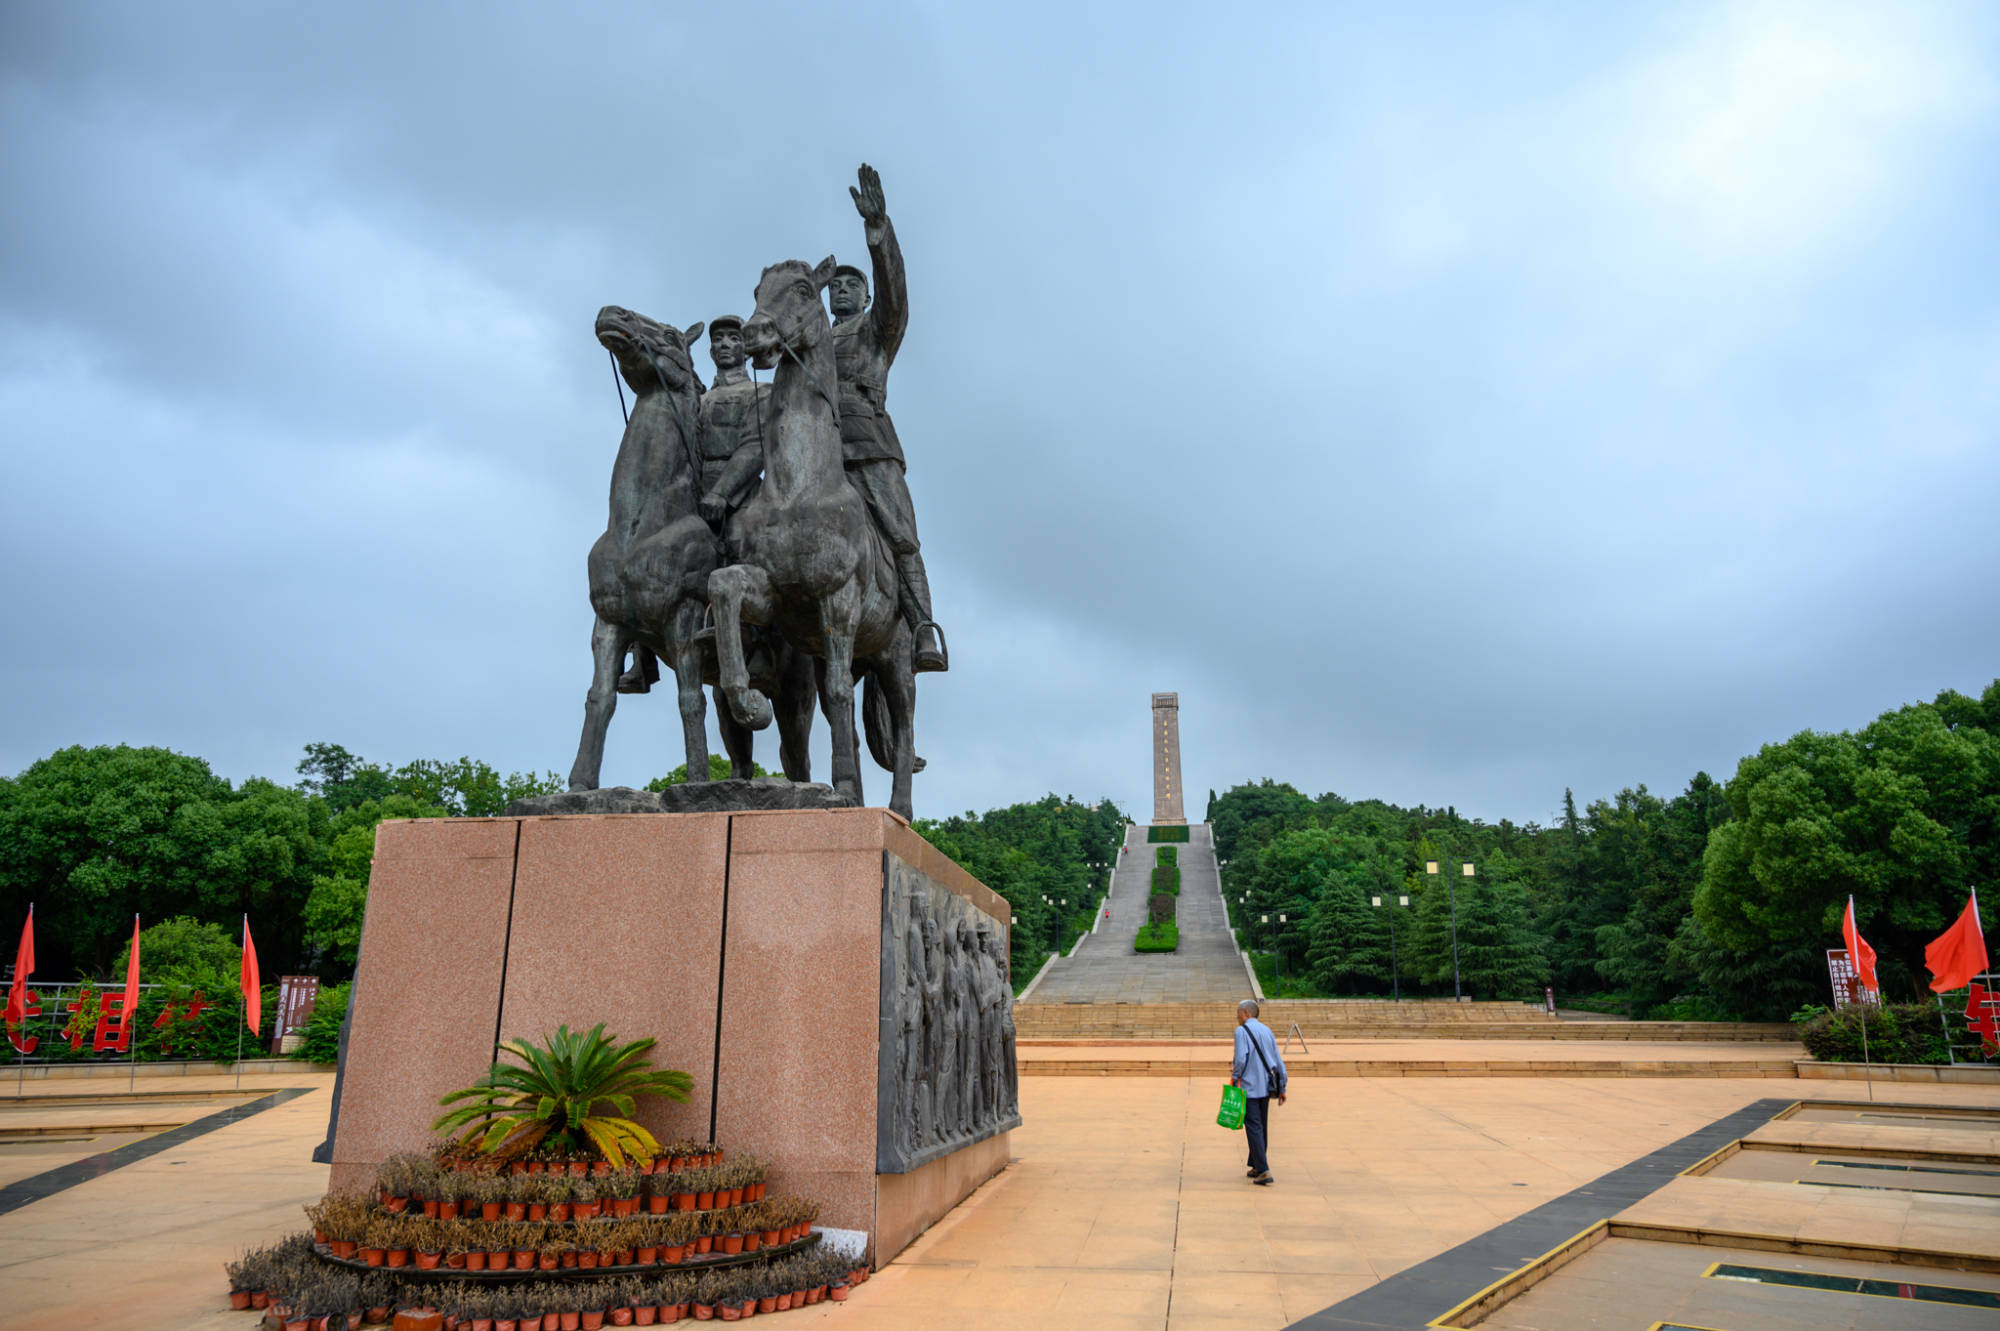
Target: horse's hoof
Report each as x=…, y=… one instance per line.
x=753, y=709
x=917, y=765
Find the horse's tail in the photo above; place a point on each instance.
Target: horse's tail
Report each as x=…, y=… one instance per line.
x=875, y=721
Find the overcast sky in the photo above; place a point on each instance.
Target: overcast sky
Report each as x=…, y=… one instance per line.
x=1452, y=403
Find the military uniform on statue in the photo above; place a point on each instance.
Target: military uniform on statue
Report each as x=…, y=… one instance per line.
x=866, y=338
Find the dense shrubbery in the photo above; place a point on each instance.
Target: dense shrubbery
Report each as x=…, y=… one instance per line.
x=1168, y=855
x=322, y=1034
x=1897, y=1033
x=1160, y=906
x=1162, y=937
x=1167, y=878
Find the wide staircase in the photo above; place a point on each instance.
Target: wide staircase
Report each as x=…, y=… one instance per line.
x=1104, y=969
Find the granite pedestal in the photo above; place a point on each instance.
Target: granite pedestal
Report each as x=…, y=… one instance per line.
x=750, y=945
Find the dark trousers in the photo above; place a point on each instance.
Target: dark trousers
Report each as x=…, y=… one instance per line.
x=1257, y=1128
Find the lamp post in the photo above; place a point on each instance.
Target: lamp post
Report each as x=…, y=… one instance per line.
x=1465, y=870
x=1395, y=973
x=1277, y=953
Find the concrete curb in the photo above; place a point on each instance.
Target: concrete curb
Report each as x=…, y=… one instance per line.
x=1022, y=997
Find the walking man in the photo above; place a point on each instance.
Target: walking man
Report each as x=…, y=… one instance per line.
x=1259, y=1072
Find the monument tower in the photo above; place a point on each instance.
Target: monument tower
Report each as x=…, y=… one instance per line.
x=1167, y=807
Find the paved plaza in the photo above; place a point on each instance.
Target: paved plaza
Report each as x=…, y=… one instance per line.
x=1105, y=969
x=1125, y=1206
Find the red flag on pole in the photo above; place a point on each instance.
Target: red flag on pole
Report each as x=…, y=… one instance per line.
x=24, y=965
x=253, y=993
x=1959, y=953
x=1858, y=951
x=131, y=1008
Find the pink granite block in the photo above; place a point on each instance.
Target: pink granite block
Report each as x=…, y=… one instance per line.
x=801, y=998
x=618, y=919
x=428, y=989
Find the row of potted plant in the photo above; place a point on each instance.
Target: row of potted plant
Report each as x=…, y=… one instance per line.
x=309, y=1296
x=443, y=1192
x=384, y=1239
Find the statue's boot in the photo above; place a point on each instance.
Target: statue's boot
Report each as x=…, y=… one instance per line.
x=645, y=672
x=926, y=656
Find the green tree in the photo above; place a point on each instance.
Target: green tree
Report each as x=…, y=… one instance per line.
x=1499, y=956
x=93, y=836
x=718, y=770
x=339, y=901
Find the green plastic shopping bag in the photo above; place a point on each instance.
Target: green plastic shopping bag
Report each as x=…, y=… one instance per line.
x=1231, y=1114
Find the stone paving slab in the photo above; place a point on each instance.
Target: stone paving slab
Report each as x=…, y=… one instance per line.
x=1125, y=1206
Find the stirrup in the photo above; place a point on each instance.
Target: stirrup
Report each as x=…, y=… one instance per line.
x=944, y=649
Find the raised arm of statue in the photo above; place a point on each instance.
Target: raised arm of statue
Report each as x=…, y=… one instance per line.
x=891, y=308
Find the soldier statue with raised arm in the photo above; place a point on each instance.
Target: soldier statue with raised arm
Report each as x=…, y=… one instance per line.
x=866, y=336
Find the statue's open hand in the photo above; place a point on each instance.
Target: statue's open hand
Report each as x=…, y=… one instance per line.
x=868, y=198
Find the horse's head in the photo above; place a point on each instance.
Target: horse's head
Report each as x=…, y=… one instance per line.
x=789, y=313
x=648, y=352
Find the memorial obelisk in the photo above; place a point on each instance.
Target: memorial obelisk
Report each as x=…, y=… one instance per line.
x=1167, y=807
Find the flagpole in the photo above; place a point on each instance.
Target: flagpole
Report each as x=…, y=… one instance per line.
x=20, y=1055
x=1867, y=1071
x=243, y=1012
x=132, y=1013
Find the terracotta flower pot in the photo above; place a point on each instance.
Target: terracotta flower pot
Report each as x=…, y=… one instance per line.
x=298, y=1324
x=475, y=1261
x=703, y=1312
x=752, y=1241
x=517, y=1210
x=342, y=1247
x=646, y=1256
x=618, y=1316
x=586, y=1261
x=730, y=1312
x=239, y=1299
x=505, y=1323
x=732, y=1244
x=489, y=1211
x=671, y=1254
x=379, y=1314
x=398, y=1257
x=548, y=1261
x=657, y=1203
x=447, y=1211
x=785, y=1301
x=749, y=1307
x=482, y=1324
x=768, y=1304
x=838, y=1293
x=373, y=1256
x=497, y=1261
x=669, y=1313
x=593, y=1319
x=455, y=1261
x=538, y=1211
x=569, y=1259
x=578, y=1168
x=536, y=1166
x=524, y=1259
x=704, y=1243
x=569, y=1321
x=645, y=1314
x=430, y=1208
x=684, y=1201
x=704, y=1201
x=772, y=1238
x=559, y=1211
x=427, y=1261
x=396, y=1205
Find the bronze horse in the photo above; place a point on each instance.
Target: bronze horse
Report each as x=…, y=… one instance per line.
x=809, y=562
x=649, y=571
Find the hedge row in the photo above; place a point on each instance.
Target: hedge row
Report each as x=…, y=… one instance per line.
x=1160, y=907
x=1166, y=834
x=1169, y=855
x=1164, y=937
x=1897, y=1033
x=1167, y=878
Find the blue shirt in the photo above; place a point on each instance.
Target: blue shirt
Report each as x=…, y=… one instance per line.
x=1249, y=1069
